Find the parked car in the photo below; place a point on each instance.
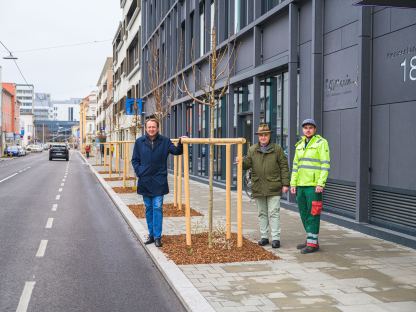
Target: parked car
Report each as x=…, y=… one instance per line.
x=58, y=151
x=22, y=151
x=36, y=148
x=12, y=151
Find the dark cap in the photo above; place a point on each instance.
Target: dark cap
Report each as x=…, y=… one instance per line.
x=309, y=121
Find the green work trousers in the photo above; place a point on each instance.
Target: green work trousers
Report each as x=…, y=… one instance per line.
x=269, y=207
x=310, y=207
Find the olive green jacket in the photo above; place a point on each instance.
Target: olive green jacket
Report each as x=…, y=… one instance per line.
x=270, y=170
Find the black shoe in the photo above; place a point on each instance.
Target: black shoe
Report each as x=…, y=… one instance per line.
x=309, y=249
x=263, y=242
x=276, y=244
x=150, y=240
x=158, y=242
x=301, y=246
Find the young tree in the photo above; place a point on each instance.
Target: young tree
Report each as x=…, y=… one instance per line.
x=221, y=65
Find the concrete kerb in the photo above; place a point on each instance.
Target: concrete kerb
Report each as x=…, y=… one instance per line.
x=190, y=297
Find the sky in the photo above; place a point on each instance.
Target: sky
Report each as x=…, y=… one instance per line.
x=69, y=72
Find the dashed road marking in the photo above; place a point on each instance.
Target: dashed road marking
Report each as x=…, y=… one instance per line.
x=54, y=207
x=58, y=197
x=9, y=177
x=62, y=184
x=25, y=297
x=60, y=189
x=49, y=223
x=42, y=248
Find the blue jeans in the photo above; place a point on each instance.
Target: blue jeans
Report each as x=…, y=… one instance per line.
x=154, y=215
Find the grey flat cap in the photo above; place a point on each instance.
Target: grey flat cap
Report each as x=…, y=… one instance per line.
x=309, y=121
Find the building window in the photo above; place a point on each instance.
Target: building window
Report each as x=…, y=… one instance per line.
x=212, y=24
x=274, y=107
x=267, y=5
x=240, y=14
x=201, y=30
x=243, y=98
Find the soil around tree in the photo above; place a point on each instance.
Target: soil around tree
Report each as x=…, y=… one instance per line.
x=223, y=251
x=119, y=178
x=169, y=210
x=106, y=172
x=122, y=189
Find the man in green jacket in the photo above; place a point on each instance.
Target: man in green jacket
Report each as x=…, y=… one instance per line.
x=270, y=177
x=309, y=174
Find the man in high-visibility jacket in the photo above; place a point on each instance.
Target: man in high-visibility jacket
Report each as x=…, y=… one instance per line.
x=311, y=166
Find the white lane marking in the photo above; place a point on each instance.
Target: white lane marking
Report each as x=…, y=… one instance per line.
x=63, y=180
x=54, y=207
x=42, y=248
x=14, y=174
x=60, y=189
x=58, y=197
x=25, y=297
x=11, y=176
x=62, y=184
x=49, y=223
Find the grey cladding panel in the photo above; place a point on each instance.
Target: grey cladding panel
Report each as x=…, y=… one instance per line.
x=392, y=72
x=402, y=169
x=401, y=18
x=332, y=132
x=332, y=41
x=339, y=13
x=381, y=23
x=305, y=81
x=305, y=22
x=275, y=37
x=341, y=79
x=380, y=144
x=245, y=54
x=349, y=147
x=349, y=35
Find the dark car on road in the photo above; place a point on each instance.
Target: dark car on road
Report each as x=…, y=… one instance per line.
x=59, y=151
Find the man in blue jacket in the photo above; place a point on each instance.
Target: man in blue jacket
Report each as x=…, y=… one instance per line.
x=149, y=161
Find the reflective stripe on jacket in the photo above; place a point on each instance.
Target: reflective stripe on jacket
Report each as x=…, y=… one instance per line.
x=311, y=164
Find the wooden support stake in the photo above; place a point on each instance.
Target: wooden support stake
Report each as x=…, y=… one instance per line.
x=175, y=181
x=124, y=163
x=228, y=191
x=105, y=155
x=240, y=195
x=110, y=163
x=180, y=182
x=117, y=159
x=187, y=198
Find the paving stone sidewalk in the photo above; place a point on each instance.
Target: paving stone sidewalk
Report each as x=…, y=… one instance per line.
x=351, y=272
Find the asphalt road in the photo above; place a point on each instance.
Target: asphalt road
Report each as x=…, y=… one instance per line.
x=65, y=247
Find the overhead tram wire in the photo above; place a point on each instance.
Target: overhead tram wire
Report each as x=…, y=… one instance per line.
x=14, y=60
x=62, y=46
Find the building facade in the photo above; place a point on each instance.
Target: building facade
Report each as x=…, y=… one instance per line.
x=126, y=71
x=10, y=119
x=25, y=93
x=66, y=110
x=105, y=99
x=42, y=107
x=87, y=113
x=351, y=68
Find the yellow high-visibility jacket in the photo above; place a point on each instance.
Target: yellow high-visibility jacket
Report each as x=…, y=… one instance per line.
x=311, y=164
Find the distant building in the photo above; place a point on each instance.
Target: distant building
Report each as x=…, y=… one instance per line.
x=25, y=93
x=104, y=99
x=67, y=110
x=88, y=109
x=42, y=108
x=10, y=115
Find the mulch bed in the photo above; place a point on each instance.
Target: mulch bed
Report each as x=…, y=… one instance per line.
x=223, y=251
x=168, y=211
x=106, y=172
x=122, y=189
x=119, y=178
